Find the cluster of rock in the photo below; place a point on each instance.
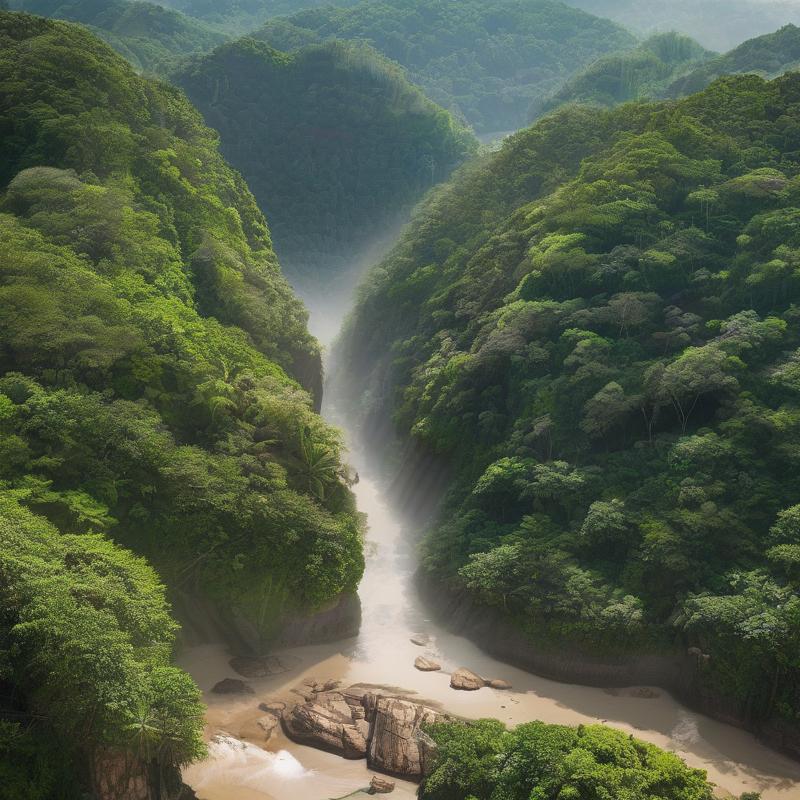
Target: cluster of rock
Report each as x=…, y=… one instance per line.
x=468, y=681
x=361, y=722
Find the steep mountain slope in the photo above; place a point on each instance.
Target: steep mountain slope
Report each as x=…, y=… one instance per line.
x=486, y=61
x=151, y=355
x=718, y=26
x=336, y=145
x=768, y=56
x=596, y=328
x=149, y=36
x=643, y=72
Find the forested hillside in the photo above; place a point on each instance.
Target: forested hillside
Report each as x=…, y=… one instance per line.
x=243, y=16
x=718, y=26
x=597, y=329
x=334, y=142
x=149, y=36
x=641, y=73
x=486, y=61
x=152, y=365
x=768, y=56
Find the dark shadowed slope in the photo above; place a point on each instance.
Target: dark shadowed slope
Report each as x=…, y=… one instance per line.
x=335, y=143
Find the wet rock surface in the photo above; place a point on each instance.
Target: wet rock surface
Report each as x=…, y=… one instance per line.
x=253, y=667
x=466, y=680
x=499, y=683
x=268, y=723
x=426, y=664
x=232, y=686
x=275, y=707
x=361, y=722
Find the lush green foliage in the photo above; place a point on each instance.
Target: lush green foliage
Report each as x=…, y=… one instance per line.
x=151, y=355
x=597, y=327
x=332, y=139
x=486, y=61
x=643, y=72
x=149, y=36
x=86, y=638
x=535, y=761
x=769, y=56
x=715, y=26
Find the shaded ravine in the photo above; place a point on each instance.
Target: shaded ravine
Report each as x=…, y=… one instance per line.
x=382, y=654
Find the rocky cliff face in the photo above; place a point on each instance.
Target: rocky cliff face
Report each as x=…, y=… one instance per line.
x=358, y=723
x=116, y=775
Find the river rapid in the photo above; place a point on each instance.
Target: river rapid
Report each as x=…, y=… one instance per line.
x=240, y=768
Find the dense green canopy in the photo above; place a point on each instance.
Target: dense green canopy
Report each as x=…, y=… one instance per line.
x=86, y=638
x=641, y=73
x=535, y=761
x=335, y=143
x=152, y=363
x=148, y=35
x=597, y=329
x=486, y=60
x=769, y=56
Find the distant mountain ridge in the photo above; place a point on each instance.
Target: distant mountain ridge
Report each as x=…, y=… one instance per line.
x=717, y=24
x=770, y=55
x=485, y=60
x=644, y=71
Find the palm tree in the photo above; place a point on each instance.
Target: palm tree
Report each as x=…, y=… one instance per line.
x=320, y=465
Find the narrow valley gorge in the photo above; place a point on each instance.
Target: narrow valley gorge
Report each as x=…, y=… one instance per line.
x=399, y=397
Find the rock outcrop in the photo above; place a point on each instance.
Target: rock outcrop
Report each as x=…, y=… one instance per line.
x=268, y=723
x=466, y=680
x=397, y=745
x=426, y=664
x=327, y=722
x=380, y=785
x=362, y=723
